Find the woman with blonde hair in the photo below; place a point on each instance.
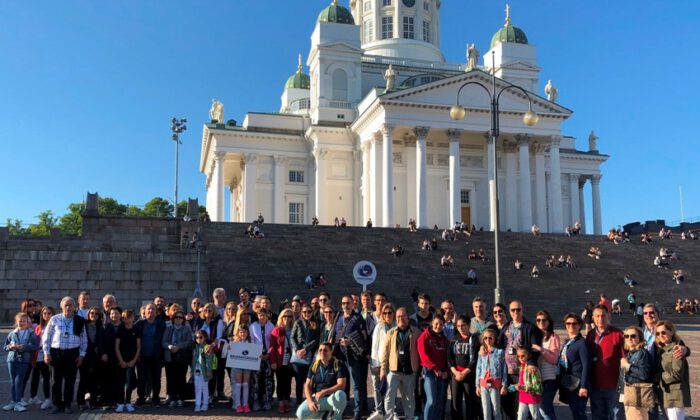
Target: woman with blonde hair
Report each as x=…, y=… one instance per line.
x=638, y=370
x=242, y=318
x=306, y=337
x=280, y=358
x=675, y=378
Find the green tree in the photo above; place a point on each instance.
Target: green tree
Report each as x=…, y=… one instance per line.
x=158, y=207
x=133, y=211
x=47, y=221
x=71, y=223
x=182, y=209
x=15, y=227
x=111, y=207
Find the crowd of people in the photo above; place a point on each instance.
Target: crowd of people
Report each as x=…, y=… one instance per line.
x=689, y=306
x=493, y=365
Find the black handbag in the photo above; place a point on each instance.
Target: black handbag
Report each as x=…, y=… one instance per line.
x=569, y=381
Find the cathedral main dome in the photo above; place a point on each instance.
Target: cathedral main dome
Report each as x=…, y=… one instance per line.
x=336, y=13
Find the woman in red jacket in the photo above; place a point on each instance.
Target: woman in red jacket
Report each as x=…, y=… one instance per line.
x=280, y=355
x=432, y=349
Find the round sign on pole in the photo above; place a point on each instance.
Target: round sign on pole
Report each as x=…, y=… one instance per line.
x=364, y=273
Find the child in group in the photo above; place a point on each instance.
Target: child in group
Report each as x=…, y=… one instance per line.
x=529, y=387
x=127, y=346
x=20, y=344
x=41, y=370
x=202, y=371
x=491, y=375
x=240, y=378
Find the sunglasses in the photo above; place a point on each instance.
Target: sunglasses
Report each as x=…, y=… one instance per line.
x=662, y=332
x=541, y=320
x=178, y=317
x=568, y=324
x=324, y=351
x=498, y=312
x=650, y=313
x=286, y=316
x=200, y=337
x=630, y=336
x=306, y=312
x=323, y=300
x=346, y=303
x=387, y=312
x=488, y=337
x=516, y=309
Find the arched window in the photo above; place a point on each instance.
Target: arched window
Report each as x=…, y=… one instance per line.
x=340, y=85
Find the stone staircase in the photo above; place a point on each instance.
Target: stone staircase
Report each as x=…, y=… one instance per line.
x=281, y=261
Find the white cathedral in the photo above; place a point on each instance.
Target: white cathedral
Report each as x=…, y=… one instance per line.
x=368, y=134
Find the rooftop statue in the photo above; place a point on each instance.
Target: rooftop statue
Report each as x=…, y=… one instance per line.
x=551, y=92
x=216, y=113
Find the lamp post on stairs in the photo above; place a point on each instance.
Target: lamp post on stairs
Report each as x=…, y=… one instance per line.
x=530, y=118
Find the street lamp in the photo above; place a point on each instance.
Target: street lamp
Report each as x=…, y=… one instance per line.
x=457, y=112
x=177, y=127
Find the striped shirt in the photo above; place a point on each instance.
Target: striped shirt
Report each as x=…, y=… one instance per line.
x=58, y=334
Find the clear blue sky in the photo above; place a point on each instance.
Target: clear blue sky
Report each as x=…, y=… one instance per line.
x=87, y=90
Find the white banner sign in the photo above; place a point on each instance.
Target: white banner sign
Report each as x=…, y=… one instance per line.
x=243, y=355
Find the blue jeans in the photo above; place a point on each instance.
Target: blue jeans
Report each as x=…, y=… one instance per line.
x=358, y=374
x=577, y=405
x=435, y=395
x=605, y=405
x=17, y=372
x=549, y=390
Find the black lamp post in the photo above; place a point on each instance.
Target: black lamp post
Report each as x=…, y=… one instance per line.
x=177, y=127
x=457, y=112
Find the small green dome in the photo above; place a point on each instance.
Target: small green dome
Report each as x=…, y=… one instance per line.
x=298, y=80
x=509, y=33
x=336, y=13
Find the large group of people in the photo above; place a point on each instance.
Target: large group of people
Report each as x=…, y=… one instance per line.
x=493, y=365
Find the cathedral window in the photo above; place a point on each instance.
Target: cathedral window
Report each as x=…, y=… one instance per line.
x=340, y=85
x=387, y=27
x=367, y=6
x=426, y=5
x=296, y=176
x=464, y=196
x=408, y=30
x=426, y=31
x=368, y=30
x=386, y=3
x=296, y=213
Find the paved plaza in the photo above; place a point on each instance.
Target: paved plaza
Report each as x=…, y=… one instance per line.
x=691, y=335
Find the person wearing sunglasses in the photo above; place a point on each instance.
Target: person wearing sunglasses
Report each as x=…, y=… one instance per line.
x=324, y=389
x=637, y=369
x=373, y=319
x=518, y=332
x=306, y=336
x=500, y=317
x=177, y=346
x=280, y=358
x=675, y=379
x=378, y=340
x=400, y=363
x=575, y=366
x=549, y=359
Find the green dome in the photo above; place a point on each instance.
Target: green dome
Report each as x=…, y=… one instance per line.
x=509, y=33
x=298, y=80
x=336, y=13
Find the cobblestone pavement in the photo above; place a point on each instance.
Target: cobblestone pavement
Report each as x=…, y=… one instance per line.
x=691, y=335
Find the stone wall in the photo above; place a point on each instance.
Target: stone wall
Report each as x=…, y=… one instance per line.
x=132, y=258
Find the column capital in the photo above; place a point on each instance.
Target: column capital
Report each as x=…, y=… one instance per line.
x=219, y=156
x=453, y=134
x=581, y=182
x=377, y=138
x=249, y=158
x=387, y=129
x=320, y=152
x=522, y=139
x=208, y=181
x=280, y=159
x=574, y=178
x=366, y=145
x=357, y=154
x=234, y=184
x=409, y=139
x=595, y=179
x=538, y=147
x=421, y=132
x=510, y=146
x=555, y=141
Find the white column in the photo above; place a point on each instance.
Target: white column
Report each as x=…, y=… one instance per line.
x=491, y=148
x=421, y=177
x=250, y=178
x=376, y=176
x=582, y=204
x=525, y=190
x=279, y=186
x=511, y=196
x=455, y=177
x=210, y=200
x=387, y=175
x=219, y=159
x=357, y=180
x=310, y=211
x=555, y=196
x=573, y=195
x=366, y=188
x=321, y=201
x=233, y=189
x=540, y=189
x=597, y=220
x=411, y=201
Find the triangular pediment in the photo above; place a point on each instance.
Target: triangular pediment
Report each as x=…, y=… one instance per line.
x=339, y=46
x=443, y=92
x=521, y=65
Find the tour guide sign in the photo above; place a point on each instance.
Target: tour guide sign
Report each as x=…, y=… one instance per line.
x=242, y=355
x=364, y=273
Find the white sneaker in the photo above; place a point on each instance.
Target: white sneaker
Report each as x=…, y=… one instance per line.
x=9, y=406
x=32, y=400
x=130, y=408
x=120, y=408
x=46, y=404
x=197, y=409
x=205, y=407
x=19, y=407
x=23, y=402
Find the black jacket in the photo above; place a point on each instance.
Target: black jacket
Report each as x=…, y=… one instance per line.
x=464, y=352
x=529, y=335
x=578, y=356
x=160, y=330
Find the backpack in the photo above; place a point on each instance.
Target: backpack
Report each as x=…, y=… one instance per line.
x=314, y=366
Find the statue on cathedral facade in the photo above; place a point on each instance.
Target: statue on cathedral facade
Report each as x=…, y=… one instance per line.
x=472, y=57
x=551, y=92
x=216, y=113
x=592, y=142
x=390, y=77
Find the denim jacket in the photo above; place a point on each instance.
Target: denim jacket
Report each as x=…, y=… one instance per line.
x=30, y=342
x=496, y=365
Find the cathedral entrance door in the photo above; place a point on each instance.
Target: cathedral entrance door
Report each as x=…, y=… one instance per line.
x=466, y=215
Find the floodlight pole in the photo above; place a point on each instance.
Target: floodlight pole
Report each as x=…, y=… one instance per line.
x=177, y=127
